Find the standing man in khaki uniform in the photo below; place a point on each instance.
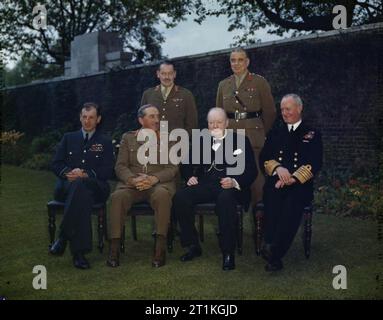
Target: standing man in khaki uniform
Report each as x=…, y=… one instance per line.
x=176, y=104
x=247, y=99
x=140, y=180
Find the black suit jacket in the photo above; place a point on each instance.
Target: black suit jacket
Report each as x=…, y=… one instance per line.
x=207, y=173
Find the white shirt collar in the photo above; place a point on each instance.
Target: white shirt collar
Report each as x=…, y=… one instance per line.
x=295, y=125
x=217, y=141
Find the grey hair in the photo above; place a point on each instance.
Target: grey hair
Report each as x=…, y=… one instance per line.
x=141, y=110
x=216, y=109
x=296, y=98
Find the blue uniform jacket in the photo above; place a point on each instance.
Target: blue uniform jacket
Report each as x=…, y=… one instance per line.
x=96, y=157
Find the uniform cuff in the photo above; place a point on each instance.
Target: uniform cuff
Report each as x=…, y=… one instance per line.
x=270, y=166
x=303, y=174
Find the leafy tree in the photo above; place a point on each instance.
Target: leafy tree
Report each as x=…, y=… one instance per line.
x=282, y=16
x=28, y=69
x=135, y=20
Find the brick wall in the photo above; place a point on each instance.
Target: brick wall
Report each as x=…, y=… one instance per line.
x=339, y=77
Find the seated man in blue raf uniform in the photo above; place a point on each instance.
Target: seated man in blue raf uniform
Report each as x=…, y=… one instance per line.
x=83, y=163
x=292, y=157
x=215, y=182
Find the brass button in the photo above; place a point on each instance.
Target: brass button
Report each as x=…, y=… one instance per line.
x=295, y=159
x=280, y=159
x=281, y=151
x=83, y=161
x=295, y=166
x=295, y=153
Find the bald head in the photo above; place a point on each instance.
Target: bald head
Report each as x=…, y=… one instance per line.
x=217, y=121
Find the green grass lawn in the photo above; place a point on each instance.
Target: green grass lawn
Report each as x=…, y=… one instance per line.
x=24, y=244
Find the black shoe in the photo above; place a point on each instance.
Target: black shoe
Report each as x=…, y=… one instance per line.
x=80, y=262
x=228, y=262
x=58, y=247
x=274, y=266
x=194, y=251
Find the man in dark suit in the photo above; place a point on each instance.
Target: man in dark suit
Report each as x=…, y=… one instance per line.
x=216, y=181
x=83, y=163
x=291, y=158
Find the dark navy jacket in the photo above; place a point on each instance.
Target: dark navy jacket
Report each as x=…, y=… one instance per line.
x=292, y=150
x=96, y=157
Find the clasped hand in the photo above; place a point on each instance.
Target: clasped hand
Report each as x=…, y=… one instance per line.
x=285, y=178
x=76, y=174
x=143, y=181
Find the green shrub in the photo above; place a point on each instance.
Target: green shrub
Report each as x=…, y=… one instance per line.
x=349, y=194
x=45, y=143
x=14, y=148
x=39, y=161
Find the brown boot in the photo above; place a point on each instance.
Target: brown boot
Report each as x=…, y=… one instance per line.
x=159, y=254
x=114, y=253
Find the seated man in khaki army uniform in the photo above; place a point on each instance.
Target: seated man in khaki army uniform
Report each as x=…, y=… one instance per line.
x=139, y=182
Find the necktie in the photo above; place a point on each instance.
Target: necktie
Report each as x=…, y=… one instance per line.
x=292, y=129
x=86, y=138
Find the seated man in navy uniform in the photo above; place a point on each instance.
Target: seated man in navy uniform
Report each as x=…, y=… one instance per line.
x=291, y=157
x=83, y=163
x=215, y=182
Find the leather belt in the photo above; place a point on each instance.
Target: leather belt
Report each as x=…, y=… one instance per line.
x=243, y=115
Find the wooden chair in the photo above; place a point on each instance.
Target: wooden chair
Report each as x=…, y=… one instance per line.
x=144, y=209
x=204, y=209
x=99, y=209
x=258, y=216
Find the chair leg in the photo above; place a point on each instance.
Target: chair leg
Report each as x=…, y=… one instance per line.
x=201, y=232
x=105, y=225
x=100, y=229
x=51, y=224
x=170, y=236
x=122, y=241
x=134, y=228
x=307, y=231
x=258, y=217
x=240, y=232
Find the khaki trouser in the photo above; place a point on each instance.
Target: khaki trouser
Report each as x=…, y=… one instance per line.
x=159, y=198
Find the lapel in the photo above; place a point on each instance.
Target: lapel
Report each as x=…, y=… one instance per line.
x=172, y=92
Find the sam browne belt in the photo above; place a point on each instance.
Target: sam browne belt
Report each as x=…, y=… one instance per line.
x=243, y=115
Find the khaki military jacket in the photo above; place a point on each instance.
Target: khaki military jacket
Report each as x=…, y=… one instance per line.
x=128, y=165
x=179, y=109
x=255, y=94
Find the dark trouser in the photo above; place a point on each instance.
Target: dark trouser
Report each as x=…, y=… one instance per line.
x=225, y=199
x=283, y=215
x=79, y=197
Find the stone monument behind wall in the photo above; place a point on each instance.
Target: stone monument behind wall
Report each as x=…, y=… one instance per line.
x=95, y=52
